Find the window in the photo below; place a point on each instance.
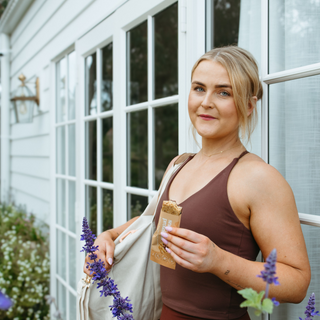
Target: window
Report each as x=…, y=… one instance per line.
x=152, y=105
x=288, y=134
x=65, y=185
x=98, y=124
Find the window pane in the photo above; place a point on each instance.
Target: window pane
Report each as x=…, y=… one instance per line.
x=107, y=149
x=107, y=207
x=72, y=74
x=106, y=87
x=62, y=299
x=72, y=150
x=166, y=52
x=137, y=64
x=91, y=84
x=91, y=208
x=73, y=306
x=226, y=17
x=236, y=22
x=61, y=150
x=166, y=139
x=61, y=254
x=295, y=138
x=91, y=150
x=61, y=90
x=137, y=126
x=136, y=205
x=294, y=311
x=294, y=34
x=72, y=262
x=72, y=203
x=61, y=202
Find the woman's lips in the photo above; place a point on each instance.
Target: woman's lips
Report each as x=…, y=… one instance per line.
x=206, y=117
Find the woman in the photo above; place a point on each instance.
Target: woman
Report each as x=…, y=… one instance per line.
x=233, y=203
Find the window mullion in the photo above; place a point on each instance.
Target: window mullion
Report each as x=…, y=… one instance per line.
x=264, y=73
x=99, y=142
x=264, y=103
x=150, y=98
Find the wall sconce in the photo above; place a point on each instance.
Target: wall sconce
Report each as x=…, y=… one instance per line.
x=24, y=101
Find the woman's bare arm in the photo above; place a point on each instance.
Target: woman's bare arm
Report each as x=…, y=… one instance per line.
x=274, y=223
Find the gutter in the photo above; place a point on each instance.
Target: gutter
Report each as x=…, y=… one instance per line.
x=12, y=15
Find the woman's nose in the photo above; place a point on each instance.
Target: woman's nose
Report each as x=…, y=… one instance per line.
x=208, y=102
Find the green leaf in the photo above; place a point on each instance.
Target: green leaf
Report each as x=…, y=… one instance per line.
x=267, y=305
x=257, y=312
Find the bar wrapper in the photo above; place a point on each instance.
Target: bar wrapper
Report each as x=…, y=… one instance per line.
x=170, y=215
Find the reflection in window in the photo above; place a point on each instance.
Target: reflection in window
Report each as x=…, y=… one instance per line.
x=166, y=52
x=137, y=126
x=62, y=299
x=71, y=206
x=137, y=62
x=106, y=85
x=72, y=150
x=107, y=209
x=107, y=149
x=61, y=202
x=91, y=150
x=136, y=205
x=91, y=84
x=72, y=79
x=91, y=208
x=61, y=90
x=226, y=16
x=61, y=150
x=293, y=34
x=295, y=138
x=72, y=262
x=166, y=139
x=61, y=248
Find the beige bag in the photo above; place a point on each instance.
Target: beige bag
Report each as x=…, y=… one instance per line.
x=133, y=272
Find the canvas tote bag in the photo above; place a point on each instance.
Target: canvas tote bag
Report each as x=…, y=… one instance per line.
x=133, y=272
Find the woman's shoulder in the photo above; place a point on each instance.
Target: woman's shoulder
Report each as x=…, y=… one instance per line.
x=255, y=172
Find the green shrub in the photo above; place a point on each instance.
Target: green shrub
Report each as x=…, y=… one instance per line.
x=24, y=265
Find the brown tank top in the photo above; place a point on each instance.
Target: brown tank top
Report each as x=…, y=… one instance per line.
x=208, y=212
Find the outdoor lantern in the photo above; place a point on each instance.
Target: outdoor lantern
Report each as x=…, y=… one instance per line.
x=24, y=101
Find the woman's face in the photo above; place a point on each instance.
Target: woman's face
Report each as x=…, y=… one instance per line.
x=211, y=105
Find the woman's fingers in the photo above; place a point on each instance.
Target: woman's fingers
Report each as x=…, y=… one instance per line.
x=185, y=233
x=109, y=256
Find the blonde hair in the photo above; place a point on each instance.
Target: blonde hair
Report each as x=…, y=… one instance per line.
x=244, y=78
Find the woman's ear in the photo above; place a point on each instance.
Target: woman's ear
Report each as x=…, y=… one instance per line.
x=252, y=105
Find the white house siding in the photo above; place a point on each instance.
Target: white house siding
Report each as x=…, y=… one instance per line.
x=47, y=30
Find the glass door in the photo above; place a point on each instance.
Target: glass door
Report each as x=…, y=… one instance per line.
x=282, y=36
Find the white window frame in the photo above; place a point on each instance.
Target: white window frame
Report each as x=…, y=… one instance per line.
x=54, y=277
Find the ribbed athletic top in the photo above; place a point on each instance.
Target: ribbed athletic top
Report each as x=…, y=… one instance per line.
x=208, y=212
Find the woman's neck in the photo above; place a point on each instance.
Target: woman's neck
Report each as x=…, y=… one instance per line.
x=211, y=147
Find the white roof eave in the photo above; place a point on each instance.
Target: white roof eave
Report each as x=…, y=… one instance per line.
x=12, y=15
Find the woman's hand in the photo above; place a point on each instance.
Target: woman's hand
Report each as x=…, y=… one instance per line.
x=105, y=252
x=191, y=250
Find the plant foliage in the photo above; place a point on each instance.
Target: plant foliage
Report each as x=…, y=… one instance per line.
x=24, y=265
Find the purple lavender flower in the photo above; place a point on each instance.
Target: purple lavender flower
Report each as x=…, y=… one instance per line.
x=268, y=274
x=270, y=269
x=100, y=275
x=310, y=309
x=5, y=302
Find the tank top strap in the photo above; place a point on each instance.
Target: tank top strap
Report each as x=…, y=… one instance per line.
x=232, y=164
x=243, y=154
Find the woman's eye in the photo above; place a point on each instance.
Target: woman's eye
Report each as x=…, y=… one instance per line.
x=198, y=89
x=225, y=94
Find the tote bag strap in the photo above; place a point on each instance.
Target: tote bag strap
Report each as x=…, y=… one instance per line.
x=177, y=164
